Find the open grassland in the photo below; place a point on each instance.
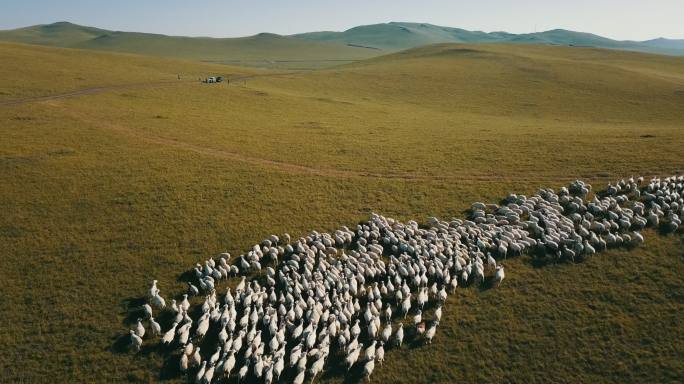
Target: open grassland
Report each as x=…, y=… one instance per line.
x=103, y=192
x=32, y=71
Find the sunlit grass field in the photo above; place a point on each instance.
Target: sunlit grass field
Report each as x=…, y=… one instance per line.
x=103, y=192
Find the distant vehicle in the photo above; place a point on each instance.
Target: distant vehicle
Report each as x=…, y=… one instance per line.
x=214, y=79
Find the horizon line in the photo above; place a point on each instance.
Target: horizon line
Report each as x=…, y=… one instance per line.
x=333, y=31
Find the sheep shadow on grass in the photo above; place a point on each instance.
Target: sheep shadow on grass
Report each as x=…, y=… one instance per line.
x=487, y=284
x=171, y=367
x=416, y=342
x=121, y=344
x=133, y=310
x=338, y=368
x=187, y=276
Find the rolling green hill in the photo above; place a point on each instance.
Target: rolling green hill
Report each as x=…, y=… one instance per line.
x=398, y=36
x=263, y=50
x=401, y=35
x=673, y=44
x=307, y=50
x=60, y=34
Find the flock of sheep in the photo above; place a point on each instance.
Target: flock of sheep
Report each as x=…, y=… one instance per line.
x=349, y=293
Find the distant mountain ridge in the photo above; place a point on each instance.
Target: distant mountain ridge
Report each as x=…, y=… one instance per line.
x=356, y=43
x=259, y=50
x=402, y=35
x=665, y=43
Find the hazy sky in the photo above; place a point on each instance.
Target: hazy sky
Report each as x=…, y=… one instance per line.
x=619, y=19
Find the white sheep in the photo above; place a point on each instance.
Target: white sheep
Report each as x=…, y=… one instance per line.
x=136, y=341
x=368, y=368
x=498, y=276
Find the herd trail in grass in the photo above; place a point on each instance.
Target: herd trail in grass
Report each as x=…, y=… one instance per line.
x=346, y=295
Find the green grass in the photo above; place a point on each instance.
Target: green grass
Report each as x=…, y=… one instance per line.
x=262, y=50
x=395, y=36
x=101, y=193
x=60, y=34
x=30, y=71
x=313, y=50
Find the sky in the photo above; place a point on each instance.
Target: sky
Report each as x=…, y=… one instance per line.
x=617, y=19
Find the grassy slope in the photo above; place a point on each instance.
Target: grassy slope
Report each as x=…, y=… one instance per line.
x=104, y=192
x=60, y=34
x=666, y=43
x=31, y=71
x=260, y=50
x=253, y=48
x=401, y=35
x=307, y=50
x=393, y=36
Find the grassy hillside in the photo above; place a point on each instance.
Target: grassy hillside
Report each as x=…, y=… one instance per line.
x=103, y=192
x=263, y=50
x=307, y=50
x=31, y=71
x=673, y=44
x=400, y=35
x=565, y=37
x=60, y=34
